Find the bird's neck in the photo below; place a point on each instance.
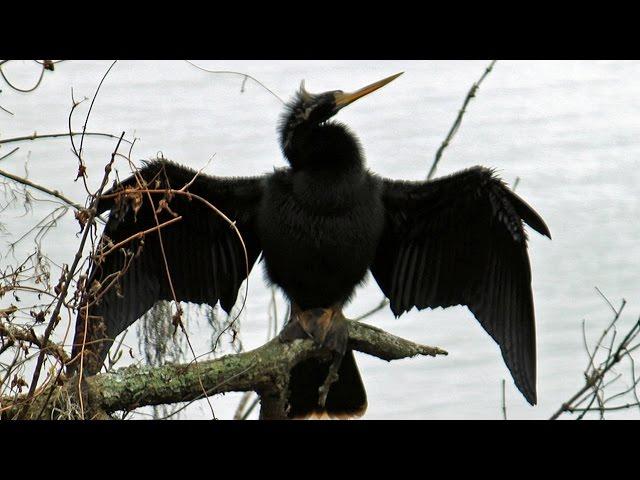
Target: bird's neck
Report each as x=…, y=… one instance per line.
x=325, y=150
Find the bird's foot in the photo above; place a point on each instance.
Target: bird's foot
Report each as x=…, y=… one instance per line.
x=328, y=328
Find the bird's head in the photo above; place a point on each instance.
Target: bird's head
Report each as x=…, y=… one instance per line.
x=307, y=139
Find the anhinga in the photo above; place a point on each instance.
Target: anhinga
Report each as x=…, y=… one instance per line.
x=320, y=225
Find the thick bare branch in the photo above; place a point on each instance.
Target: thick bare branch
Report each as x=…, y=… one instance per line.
x=264, y=370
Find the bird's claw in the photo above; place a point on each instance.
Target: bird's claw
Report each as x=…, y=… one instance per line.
x=328, y=328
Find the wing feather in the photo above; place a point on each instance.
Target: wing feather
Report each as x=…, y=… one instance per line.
x=205, y=257
x=460, y=240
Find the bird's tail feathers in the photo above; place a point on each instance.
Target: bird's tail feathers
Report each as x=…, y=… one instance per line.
x=347, y=398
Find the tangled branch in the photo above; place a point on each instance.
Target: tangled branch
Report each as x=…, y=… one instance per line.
x=592, y=396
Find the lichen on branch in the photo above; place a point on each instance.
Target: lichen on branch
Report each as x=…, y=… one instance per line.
x=264, y=370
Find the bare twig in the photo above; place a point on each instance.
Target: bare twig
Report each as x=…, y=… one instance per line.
x=93, y=100
x=383, y=303
x=36, y=136
x=458, y=120
x=10, y=153
x=6, y=110
x=29, y=183
x=139, y=235
x=243, y=75
x=595, y=374
x=16, y=333
x=37, y=84
x=63, y=293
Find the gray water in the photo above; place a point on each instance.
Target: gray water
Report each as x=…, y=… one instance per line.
x=568, y=130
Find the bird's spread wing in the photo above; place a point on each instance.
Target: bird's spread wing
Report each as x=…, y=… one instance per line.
x=204, y=255
x=459, y=240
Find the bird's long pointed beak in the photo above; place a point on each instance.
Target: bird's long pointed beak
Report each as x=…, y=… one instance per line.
x=344, y=99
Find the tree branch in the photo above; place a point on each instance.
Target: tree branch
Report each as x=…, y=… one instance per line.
x=29, y=183
x=35, y=136
x=13, y=333
x=264, y=370
x=456, y=124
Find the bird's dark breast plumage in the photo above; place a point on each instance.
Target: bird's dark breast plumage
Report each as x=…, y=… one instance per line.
x=319, y=234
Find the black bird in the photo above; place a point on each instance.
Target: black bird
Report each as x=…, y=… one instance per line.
x=320, y=225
